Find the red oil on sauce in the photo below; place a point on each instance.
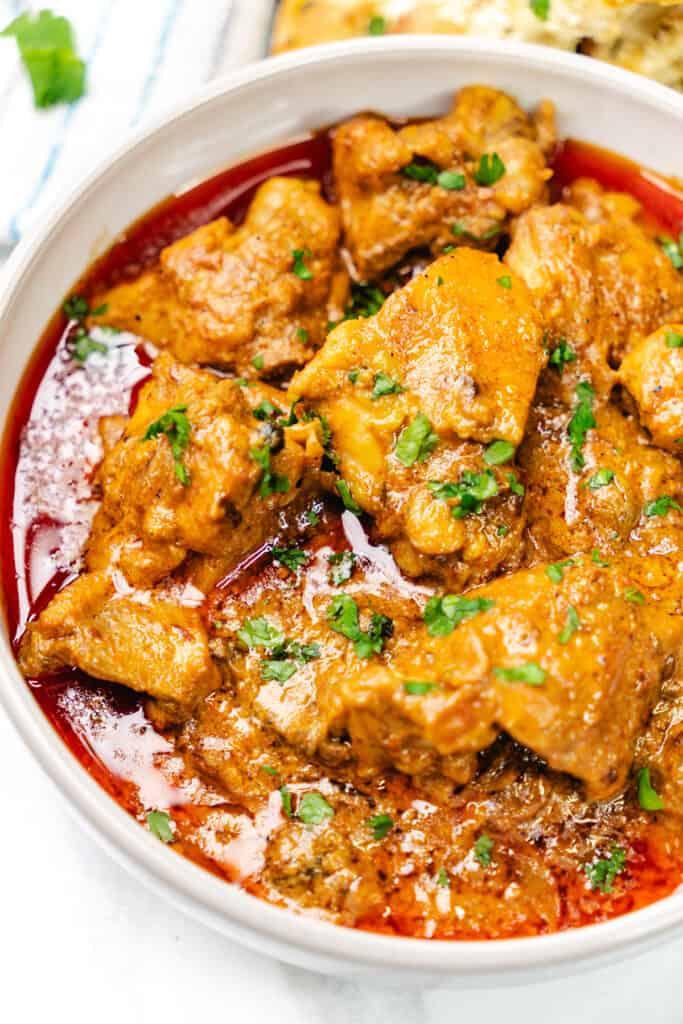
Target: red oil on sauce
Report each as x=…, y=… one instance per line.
x=51, y=449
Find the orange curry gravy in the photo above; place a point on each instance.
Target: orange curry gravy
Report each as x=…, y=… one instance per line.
x=48, y=458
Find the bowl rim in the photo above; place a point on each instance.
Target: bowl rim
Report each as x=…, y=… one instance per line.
x=223, y=906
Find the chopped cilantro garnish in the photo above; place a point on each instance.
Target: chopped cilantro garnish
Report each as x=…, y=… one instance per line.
x=342, y=563
x=443, y=614
x=366, y=300
x=416, y=442
x=648, y=798
x=377, y=25
x=426, y=172
x=291, y=558
x=265, y=409
x=260, y=632
x=505, y=281
x=581, y=422
x=47, y=48
x=499, y=452
x=531, y=673
x=353, y=375
x=314, y=809
x=343, y=618
x=471, y=491
x=271, y=483
x=601, y=873
x=661, y=506
x=311, y=517
x=302, y=335
x=573, y=623
x=269, y=770
x=381, y=825
x=502, y=530
x=597, y=559
x=561, y=355
x=257, y=362
x=674, y=250
x=634, y=596
x=490, y=170
x=384, y=385
x=176, y=427
x=286, y=798
x=277, y=671
x=418, y=687
x=452, y=181
x=442, y=879
x=602, y=478
x=347, y=498
x=483, y=850
x=300, y=268
x=160, y=825
x=673, y=340
x=541, y=9
x=76, y=307
x=555, y=571
x=515, y=486
x=84, y=346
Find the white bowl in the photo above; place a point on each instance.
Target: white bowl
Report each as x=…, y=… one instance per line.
x=256, y=109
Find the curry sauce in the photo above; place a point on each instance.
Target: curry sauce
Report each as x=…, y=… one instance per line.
x=374, y=612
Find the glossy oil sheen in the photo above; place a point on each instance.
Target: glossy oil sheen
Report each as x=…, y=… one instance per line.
x=104, y=725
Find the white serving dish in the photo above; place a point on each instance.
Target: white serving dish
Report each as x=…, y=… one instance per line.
x=256, y=109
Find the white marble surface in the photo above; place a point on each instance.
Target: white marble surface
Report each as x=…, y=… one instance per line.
x=80, y=941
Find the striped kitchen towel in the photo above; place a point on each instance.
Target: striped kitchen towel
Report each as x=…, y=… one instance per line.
x=143, y=56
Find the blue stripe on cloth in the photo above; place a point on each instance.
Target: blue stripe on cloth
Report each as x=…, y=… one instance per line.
x=171, y=16
x=57, y=146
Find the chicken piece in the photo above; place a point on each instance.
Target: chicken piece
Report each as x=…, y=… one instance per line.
x=229, y=296
x=660, y=748
x=421, y=185
x=219, y=492
x=620, y=502
x=570, y=669
x=601, y=282
x=450, y=361
x=653, y=373
x=151, y=645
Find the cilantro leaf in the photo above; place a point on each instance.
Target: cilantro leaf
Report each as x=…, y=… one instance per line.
x=175, y=426
x=286, y=798
x=601, y=873
x=531, y=673
x=366, y=300
x=598, y=560
x=384, y=385
x=541, y=9
x=452, y=181
x=661, y=506
x=342, y=563
x=314, y=809
x=343, y=617
x=160, y=825
x=673, y=340
x=84, y=346
x=418, y=687
x=573, y=623
x=347, y=497
x=444, y=614
x=300, y=268
x=674, y=251
x=265, y=410
x=471, y=491
x=555, y=571
x=381, y=825
x=602, y=478
x=377, y=25
x=442, y=879
x=490, y=170
x=648, y=798
x=561, y=355
x=277, y=671
x=271, y=483
x=483, y=850
x=499, y=452
x=260, y=632
x=634, y=596
x=581, y=422
x=505, y=281
x=291, y=558
x=47, y=48
x=416, y=442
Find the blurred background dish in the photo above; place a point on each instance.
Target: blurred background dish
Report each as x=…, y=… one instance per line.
x=643, y=37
